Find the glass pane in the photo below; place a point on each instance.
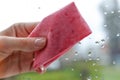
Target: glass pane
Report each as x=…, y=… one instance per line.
x=97, y=57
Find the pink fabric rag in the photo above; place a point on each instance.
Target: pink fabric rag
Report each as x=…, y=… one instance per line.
x=63, y=29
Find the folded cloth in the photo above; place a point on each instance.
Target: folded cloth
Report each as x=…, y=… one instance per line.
x=63, y=29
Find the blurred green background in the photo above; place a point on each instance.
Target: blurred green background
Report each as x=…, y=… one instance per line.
x=80, y=70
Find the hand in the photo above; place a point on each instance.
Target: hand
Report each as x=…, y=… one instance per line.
x=16, y=49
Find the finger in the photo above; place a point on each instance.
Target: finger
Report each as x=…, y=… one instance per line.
x=22, y=44
x=28, y=27
x=17, y=28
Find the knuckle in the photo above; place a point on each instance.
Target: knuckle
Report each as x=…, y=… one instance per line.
x=3, y=44
x=15, y=25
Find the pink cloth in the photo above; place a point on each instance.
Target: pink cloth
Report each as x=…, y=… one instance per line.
x=63, y=29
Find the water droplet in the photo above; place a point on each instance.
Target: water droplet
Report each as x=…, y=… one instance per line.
x=72, y=69
x=118, y=35
x=42, y=68
x=80, y=74
x=98, y=58
x=112, y=12
x=38, y=7
x=89, y=52
x=66, y=58
x=89, y=78
x=90, y=58
x=118, y=11
x=105, y=25
x=79, y=42
x=103, y=40
x=97, y=42
x=94, y=64
x=89, y=55
x=76, y=54
x=96, y=76
x=89, y=37
x=114, y=62
x=105, y=13
x=102, y=46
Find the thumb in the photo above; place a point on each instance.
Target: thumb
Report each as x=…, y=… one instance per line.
x=22, y=44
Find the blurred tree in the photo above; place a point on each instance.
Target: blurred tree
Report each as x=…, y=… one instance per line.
x=111, y=14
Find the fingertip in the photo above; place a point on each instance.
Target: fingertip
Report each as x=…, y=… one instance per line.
x=40, y=43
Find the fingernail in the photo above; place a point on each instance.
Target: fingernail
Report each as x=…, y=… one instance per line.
x=39, y=43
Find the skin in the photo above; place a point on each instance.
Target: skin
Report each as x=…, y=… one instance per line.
x=16, y=49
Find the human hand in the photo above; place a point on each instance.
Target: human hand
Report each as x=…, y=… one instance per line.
x=16, y=49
